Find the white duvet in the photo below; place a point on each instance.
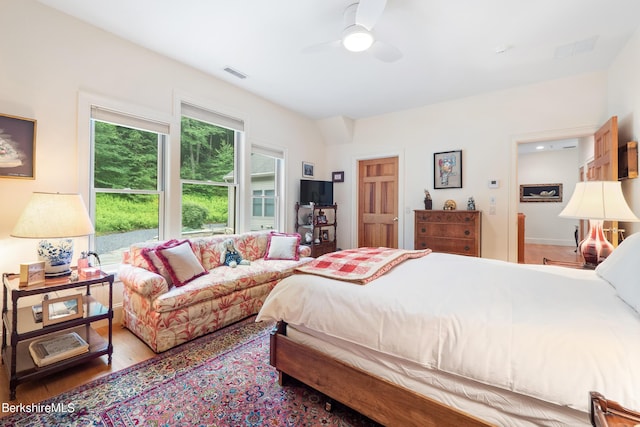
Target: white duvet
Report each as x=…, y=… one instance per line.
x=548, y=332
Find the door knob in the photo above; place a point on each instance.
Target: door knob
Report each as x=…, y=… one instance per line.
x=395, y=219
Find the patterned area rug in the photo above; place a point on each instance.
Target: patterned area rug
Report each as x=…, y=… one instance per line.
x=223, y=379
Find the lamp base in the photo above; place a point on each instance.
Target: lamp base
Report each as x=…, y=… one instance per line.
x=595, y=247
x=57, y=256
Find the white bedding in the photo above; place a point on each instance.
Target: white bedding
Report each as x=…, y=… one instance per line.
x=547, y=332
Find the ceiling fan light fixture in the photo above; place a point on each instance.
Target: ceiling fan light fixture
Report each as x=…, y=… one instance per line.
x=356, y=38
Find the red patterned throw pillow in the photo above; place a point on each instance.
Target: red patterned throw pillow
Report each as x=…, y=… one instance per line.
x=181, y=263
x=155, y=263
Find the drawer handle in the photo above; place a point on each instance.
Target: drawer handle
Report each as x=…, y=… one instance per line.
x=466, y=248
x=423, y=229
x=424, y=245
x=467, y=232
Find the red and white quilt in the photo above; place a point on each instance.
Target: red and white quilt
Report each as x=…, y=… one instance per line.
x=360, y=265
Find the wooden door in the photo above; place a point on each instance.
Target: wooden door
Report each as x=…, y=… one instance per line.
x=378, y=202
x=604, y=167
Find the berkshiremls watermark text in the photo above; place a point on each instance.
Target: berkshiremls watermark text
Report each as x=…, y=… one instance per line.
x=49, y=408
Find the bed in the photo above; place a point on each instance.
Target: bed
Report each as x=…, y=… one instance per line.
x=451, y=340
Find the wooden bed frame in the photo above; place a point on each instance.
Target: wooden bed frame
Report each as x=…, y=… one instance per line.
x=372, y=396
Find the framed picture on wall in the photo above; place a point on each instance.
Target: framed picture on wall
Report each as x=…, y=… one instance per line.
x=307, y=170
x=541, y=193
x=447, y=169
x=17, y=147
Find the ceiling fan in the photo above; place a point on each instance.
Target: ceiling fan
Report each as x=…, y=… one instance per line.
x=357, y=36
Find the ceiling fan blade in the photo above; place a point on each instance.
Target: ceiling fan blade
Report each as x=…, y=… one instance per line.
x=385, y=52
x=322, y=47
x=369, y=12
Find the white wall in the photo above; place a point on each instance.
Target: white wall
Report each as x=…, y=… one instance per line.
x=624, y=101
x=47, y=63
x=542, y=224
x=49, y=59
x=487, y=128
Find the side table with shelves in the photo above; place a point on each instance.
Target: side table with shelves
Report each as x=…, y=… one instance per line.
x=19, y=327
x=322, y=224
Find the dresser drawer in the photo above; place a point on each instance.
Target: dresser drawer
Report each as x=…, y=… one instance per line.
x=425, y=229
x=467, y=217
x=448, y=245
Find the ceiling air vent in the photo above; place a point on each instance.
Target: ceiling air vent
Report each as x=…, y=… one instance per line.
x=236, y=73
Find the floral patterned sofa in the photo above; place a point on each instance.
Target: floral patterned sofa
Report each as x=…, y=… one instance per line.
x=175, y=291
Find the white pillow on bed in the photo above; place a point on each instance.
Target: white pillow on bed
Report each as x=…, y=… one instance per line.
x=622, y=270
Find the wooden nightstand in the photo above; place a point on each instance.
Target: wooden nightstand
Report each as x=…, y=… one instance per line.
x=607, y=413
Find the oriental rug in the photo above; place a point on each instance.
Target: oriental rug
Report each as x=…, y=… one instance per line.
x=223, y=379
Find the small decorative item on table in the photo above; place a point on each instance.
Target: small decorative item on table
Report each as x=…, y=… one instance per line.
x=449, y=205
x=31, y=273
x=428, y=203
x=471, y=204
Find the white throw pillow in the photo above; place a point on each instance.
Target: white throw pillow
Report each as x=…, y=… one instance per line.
x=182, y=263
x=283, y=246
x=622, y=270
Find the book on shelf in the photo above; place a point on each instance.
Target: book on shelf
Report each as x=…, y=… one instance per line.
x=37, y=312
x=53, y=349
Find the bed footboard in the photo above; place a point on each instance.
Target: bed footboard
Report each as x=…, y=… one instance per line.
x=374, y=397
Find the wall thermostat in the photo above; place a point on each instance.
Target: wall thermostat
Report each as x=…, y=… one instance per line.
x=494, y=183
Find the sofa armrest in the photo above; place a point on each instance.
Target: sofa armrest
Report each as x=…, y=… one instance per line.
x=304, y=250
x=144, y=282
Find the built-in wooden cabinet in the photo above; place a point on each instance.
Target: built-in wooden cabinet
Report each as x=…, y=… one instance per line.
x=317, y=225
x=628, y=160
x=451, y=231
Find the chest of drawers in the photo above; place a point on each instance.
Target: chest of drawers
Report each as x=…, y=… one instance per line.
x=456, y=232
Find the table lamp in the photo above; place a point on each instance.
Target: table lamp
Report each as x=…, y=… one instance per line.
x=597, y=201
x=54, y=216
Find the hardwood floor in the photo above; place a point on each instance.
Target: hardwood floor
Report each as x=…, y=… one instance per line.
x=129, y=350
x=534, y=253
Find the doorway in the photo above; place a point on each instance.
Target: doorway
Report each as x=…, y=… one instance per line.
x=546, y=214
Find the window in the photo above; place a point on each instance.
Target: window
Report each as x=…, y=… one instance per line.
x=263, y=203
x=266, y=187
x=127, y=197
x=208, y=171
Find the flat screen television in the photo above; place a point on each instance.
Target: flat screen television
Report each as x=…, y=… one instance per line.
x=318, y=192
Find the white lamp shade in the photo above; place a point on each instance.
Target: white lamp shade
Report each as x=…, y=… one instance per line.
x=600, y=200
x=53, y=215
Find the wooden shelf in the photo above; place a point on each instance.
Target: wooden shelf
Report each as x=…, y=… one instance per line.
x=19, y=328
x=318, y=228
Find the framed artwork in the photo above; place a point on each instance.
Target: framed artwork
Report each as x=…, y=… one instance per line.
x=325, y=235
x=61, y=309
x=541, y=193
x=17, y=147
x=337, y=176
x=447, y=169
x=307, y=170
x=31, y=273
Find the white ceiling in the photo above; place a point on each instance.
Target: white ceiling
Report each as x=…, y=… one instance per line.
x=449, y=46
x=545, y=146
